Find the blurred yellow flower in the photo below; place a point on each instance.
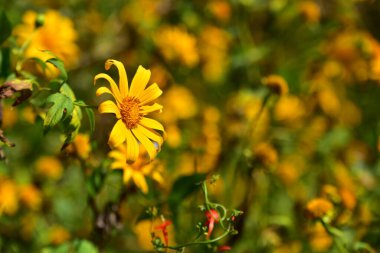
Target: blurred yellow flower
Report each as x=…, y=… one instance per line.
x=50, y=167
x=143, y=230
x=243, y=110
x=29, y=115
x=30, y=196
x=289, y=109
x=319, y=207
x=310, y=10
x=142, y=14
x=174, y=138
x=8, y=196
x=320, y=240
x=58, y=235
x=179, y=104
x=265, y=153
x=176, y=43
x=136, y=171
x=57, y=35
x=221, y=9
x=348, y=198
x=9, y=117
x=132, y=105
x=80, y=146
x=276, y=83
x=214, y=44
x=329, y=102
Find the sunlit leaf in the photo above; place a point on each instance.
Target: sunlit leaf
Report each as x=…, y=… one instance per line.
x=62, y=106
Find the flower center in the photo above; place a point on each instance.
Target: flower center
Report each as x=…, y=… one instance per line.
x=130, y=112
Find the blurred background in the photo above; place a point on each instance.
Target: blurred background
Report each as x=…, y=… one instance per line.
x=279, y=98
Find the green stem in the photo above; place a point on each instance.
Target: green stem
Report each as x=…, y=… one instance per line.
x=180, y=247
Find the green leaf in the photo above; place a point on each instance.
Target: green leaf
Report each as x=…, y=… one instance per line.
x=60, y=66
x=91, y=118
x=72, y=125
x=5, y=27
x=182, y=188
x=5, y=64
x=86, y=247
x=90, y=113
x=77, y=246
x=61, y=108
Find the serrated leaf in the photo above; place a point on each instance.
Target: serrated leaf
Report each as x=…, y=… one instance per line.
x=5, y=27
x=65, y=89
x=61, y=108
x=60, y=66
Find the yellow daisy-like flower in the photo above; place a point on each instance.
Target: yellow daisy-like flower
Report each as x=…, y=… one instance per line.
x=46, y=37
x=131, y=107
x=136, y=171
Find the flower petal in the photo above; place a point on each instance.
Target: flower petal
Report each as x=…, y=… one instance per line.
x=140, y=182
x=150, y=94
x=109, y=107
x=114, y=88
x=148, y=144
x=127, y=173
x=145, y=109
x=123, y=80
x=117, y=165
x=139, y=82
x=117, y=155
x=158, y=177
x=151, y=134
x=103, y=90
x=132, y=147
x=151, y=123
x=117, y=135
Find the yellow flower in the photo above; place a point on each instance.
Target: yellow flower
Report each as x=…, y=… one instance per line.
x=46, y=37
x=320, y=240
x=276, y=83
x=80, y=146
x=131, y=107
x=310, y=10
x=9, y=116
x=176, y=43
x=58, y=235
x=8, y=196
x=31, y=196
x=289, y=109
x=221, y=9
x=265, y=153
x=138, y=170
x=179, y=104
x=319, y=207
x=49, y=167
x=214, y=43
